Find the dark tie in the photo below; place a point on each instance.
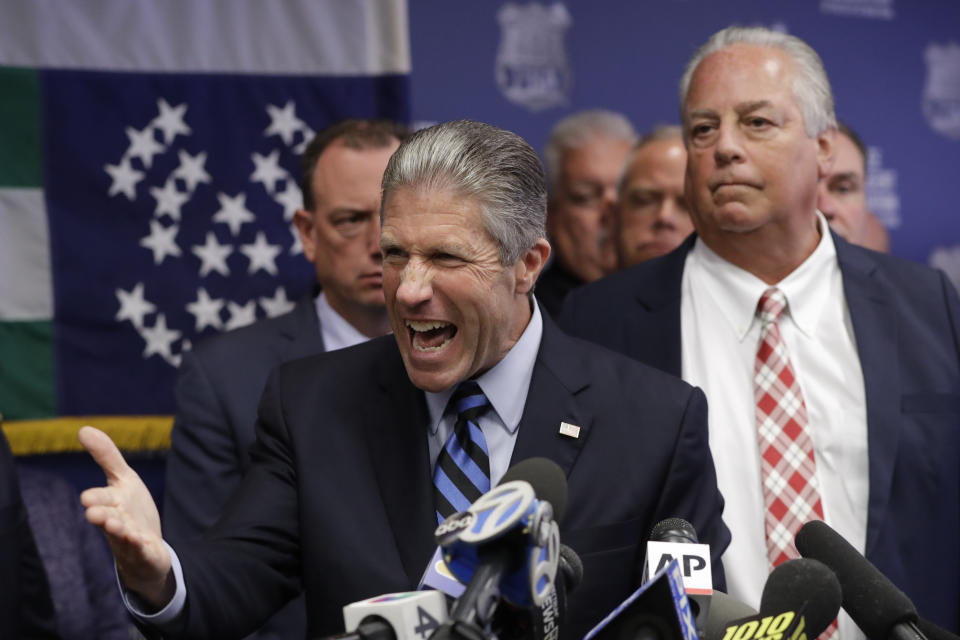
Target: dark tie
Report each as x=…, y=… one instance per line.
x=462, y=473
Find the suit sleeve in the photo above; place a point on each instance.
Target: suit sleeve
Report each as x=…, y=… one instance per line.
x=26, y=608
x=248, y=565
x=203, y=465
x=691, y=486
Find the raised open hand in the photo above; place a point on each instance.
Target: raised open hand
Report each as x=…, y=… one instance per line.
x=125, y=511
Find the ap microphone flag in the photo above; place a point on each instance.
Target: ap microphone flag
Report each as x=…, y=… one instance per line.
x=658, y=610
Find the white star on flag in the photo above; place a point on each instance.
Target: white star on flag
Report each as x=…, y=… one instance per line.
x=241, y=315
x=169, y=199
x=233, y=211
x=133, y=306
x=262, y=255
x=296, y=248
x=124, y=178
x=143, y=145
x=283, y=122
x=268, y=170
x=308, y=134
x=161, y=241
x=170, y=121
x=159, y=338
x=213, y=256
x=206, y=310
x=191, y=169
x=277, y=305
x=290, y=199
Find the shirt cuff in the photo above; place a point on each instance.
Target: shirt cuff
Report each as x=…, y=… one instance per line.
x=174, y=608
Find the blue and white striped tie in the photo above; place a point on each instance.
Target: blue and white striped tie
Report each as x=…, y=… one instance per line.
x=462, y=473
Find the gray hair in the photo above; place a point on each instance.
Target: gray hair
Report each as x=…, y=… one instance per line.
x=658, y=133
x=577, y=130
x=811, y=88
x=480, y=161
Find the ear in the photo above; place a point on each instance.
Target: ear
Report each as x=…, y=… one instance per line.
x=527, y=269
x=304, y=222
x=825, y=150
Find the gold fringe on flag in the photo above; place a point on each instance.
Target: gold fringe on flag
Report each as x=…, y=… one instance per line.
x=59, y=435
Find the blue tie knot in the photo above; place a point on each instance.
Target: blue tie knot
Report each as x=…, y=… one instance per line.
x=468, y=400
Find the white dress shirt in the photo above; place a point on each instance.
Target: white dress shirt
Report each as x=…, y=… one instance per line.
x=336, y=332
x=505, y=385
x=719, y=338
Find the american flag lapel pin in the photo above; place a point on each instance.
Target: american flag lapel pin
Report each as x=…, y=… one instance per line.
x=569, y=430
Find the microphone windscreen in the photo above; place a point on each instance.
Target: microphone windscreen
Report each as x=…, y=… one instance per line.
x=674, y=530
x=803, y=581
x=874, y=603
x=723, y=610
x=547, y=479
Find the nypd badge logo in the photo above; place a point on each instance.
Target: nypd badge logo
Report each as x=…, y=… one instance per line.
x=941, y=92
x=532, y=68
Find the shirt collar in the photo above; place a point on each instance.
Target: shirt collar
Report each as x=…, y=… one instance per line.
x=501, y=383
x=336, y=331
x=736, y=291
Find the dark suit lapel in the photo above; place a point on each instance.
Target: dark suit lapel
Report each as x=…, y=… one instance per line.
x=301, y=330
x=551, y=400
x=396, y=425
x=652, y=326
x=875, y=328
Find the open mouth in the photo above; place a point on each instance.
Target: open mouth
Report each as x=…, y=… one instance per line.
x=430, y=335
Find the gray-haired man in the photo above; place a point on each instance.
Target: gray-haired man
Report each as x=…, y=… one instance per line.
x=583, y=157
x=355, y=451
x=833, y=372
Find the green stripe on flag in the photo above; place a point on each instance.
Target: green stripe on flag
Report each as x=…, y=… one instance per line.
x=20, y=144
x=26, y=369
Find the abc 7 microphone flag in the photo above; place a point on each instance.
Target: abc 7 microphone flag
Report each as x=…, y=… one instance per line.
x=510, y=509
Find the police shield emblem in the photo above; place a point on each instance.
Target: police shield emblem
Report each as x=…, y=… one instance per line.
x=532, y=68
x=941, y=93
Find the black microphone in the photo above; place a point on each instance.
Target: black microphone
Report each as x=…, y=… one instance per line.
x=800, y=599
x=543, y=622
x=506, y=545
x=723, y=610
x=803, y=583
x=676, y=538
x=935, y=632
x=878, y=607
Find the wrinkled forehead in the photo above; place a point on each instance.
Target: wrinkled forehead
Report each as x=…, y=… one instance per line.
x=741, y=73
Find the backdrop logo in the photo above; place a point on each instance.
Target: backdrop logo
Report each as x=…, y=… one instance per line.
x=882, y=197
x=941, y=93
x=532, y=68
x=947, y=259
x=874, y=9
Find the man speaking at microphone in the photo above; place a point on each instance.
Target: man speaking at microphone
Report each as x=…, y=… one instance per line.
x=360, y=452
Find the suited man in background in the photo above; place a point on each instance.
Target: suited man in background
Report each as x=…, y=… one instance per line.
x=652, y=215
x=584, y=158
x=863, y=356
x=843, y=194
x=220, y=381
x=360, y=451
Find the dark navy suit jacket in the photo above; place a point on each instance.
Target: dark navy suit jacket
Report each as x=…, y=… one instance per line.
x=339, y=492
x=218, y=387
x=906, y=319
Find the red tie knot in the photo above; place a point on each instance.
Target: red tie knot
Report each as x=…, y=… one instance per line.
x=771, y=305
